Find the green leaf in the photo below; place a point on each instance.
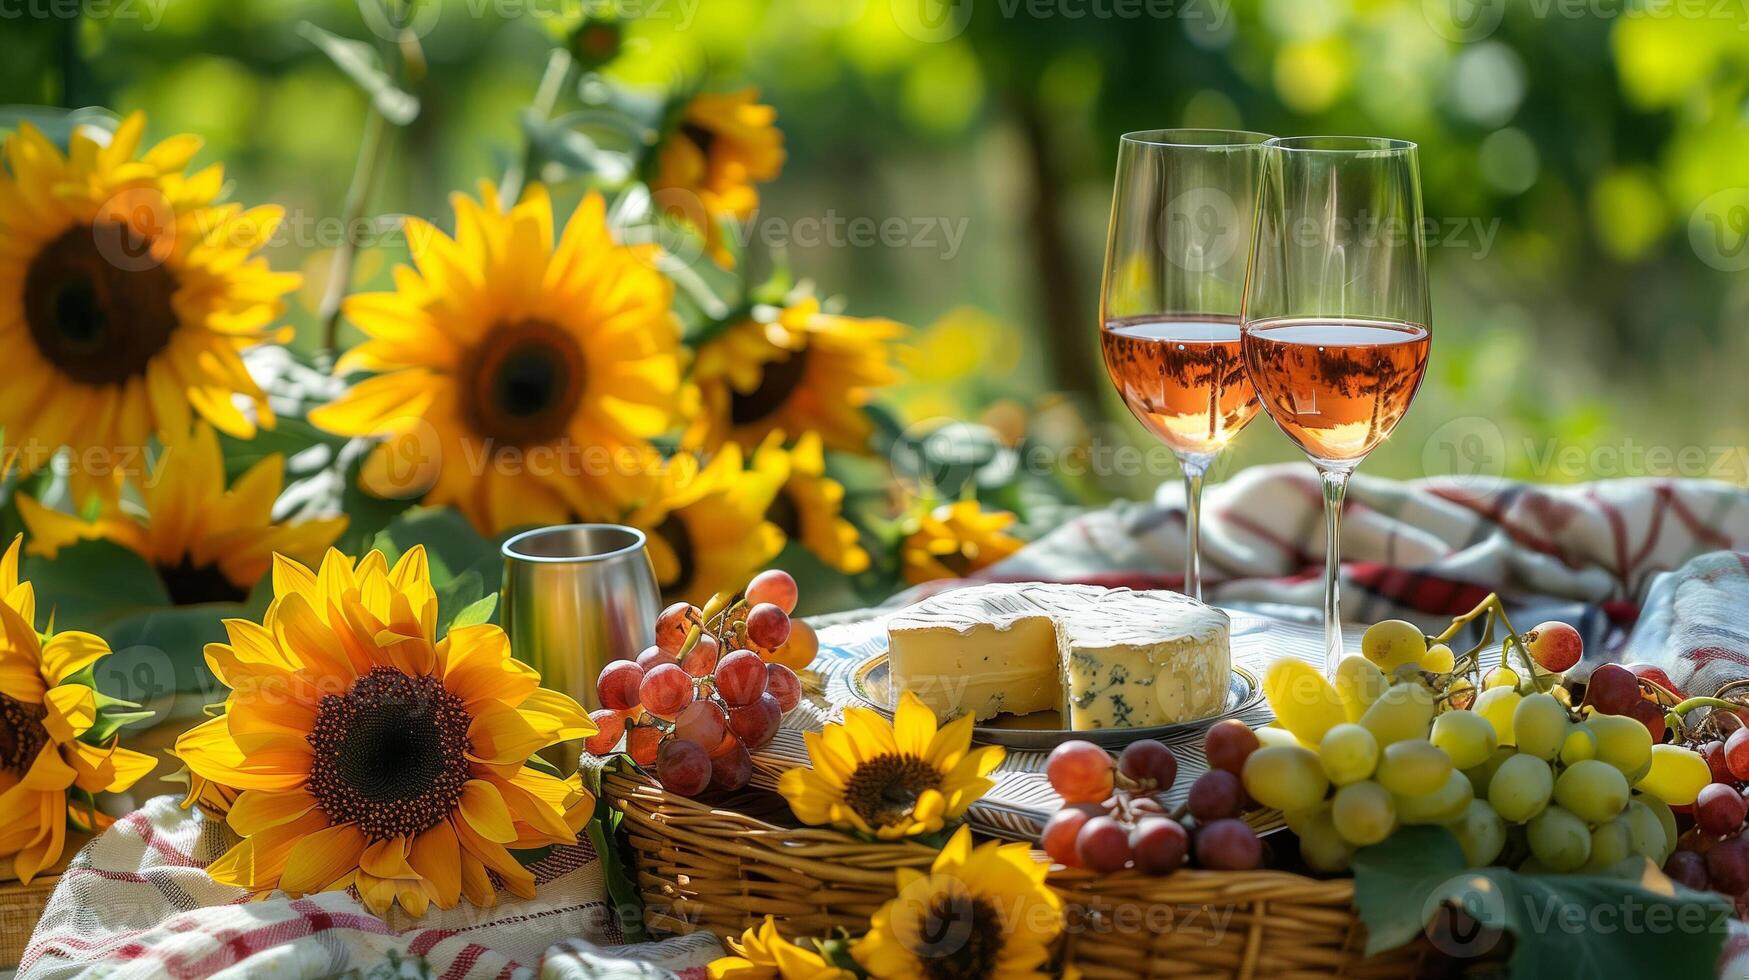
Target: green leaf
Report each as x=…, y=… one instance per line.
x=1628, y=922
x=451, y=543
x=1393, y=878
x=108, y=723
x=359, y=61
x=575, y=142
x=94, y=584
x=160, y=651
x=481, y=610
x=617, y=870
x=529, y=855
x=540, y=763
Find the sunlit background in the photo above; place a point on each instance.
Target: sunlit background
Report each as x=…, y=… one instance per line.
x=1587, y=166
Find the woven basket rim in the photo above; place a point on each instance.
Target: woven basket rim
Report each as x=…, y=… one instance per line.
x=642, y=787
x=1263, y=884
x=716, y=868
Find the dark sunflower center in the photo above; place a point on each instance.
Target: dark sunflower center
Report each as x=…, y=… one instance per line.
x=884, y=789
x=22, y=734
x=959, y=937
x=701, y=137
x=390, y=754
x=99, y=314
x=525, y=383
x=780, y=380
x=673, y=531
x=957, y=562
x=190, y=584
x=785, y=514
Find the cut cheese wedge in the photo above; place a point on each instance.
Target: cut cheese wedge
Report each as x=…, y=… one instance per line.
x=1104, y=658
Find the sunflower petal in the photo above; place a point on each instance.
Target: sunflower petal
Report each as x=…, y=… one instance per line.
x=72, y=708
x=69, y=652
x=436, y=857
x=257, y=810
x=483, y=807
x=501, y=736
x=256, y=862
x=321, y=857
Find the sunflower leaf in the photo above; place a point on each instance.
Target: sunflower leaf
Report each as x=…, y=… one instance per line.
x=567, y=141
x=481, y=610
x=109, y=723
x=530, y=855
x=359, y=62
x=540, y=764
x=1627, y=921
x=616, y=873
x=452, y=546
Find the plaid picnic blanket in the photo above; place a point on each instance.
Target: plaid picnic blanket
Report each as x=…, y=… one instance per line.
x=1426, y=550
x=136, y=903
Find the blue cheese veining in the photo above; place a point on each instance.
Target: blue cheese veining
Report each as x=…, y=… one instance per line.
x=1104, y=658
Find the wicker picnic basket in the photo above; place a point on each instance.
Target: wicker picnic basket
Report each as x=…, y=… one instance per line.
x=722, y=868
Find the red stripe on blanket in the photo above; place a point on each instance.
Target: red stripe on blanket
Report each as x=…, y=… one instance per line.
x=1618, y=534
x=1292, y=552
x=1494, y=510
x=464, y=961
x=1416, y=590
x=426, y=941
x=141, y=824
x=312, y=919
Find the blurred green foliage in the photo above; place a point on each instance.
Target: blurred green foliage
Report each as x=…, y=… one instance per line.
x=1587, y=162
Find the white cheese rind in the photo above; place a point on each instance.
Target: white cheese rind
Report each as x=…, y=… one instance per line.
x=1104, y=658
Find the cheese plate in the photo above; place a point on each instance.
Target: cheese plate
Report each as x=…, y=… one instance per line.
x=871, y=683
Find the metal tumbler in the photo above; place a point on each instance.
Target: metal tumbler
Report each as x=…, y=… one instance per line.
x=577, y=596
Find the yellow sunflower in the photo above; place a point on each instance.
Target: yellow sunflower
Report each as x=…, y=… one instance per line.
x=890, y=780
x=126, y=297
x=810, y=506
x=793, y=370
x=208, y=543
x=520, y=376
x=762, y=954
x=979, y=912
x=57, y=734
x=370, y=754
x=707, y=524
x=724, y=144
x=955, y=540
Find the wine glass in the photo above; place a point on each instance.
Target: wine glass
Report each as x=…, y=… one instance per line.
x=1182, y=217
x=1337, y=322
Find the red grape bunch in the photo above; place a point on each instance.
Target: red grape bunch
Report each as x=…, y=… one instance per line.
x=1111, y=820
x=1712, y=854
x=1638, y=691
x=1711, y=849
x=713, y=687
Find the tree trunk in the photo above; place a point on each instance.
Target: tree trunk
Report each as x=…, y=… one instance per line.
x=1068, y=319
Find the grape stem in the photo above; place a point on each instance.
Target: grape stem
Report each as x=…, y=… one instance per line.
x=1494, y=609
x=1675, y=716
x=715, y=614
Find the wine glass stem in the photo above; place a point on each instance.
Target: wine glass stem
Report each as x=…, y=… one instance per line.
x=1194, y=468
x=1335, y=485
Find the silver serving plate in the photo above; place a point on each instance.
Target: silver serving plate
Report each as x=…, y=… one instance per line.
x=1041, y=731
